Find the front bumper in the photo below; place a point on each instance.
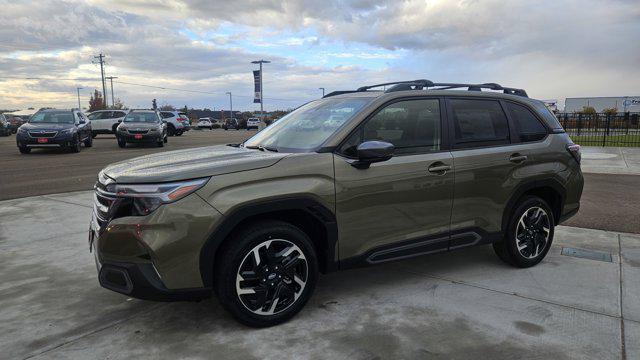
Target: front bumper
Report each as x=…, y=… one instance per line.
x=60, y=140
x=148, y=137
x=154, y=257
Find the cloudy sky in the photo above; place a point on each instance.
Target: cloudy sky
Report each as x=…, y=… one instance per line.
x=552, y=48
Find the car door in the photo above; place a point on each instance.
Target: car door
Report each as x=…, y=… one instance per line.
x=486, y=164
x=400, y=207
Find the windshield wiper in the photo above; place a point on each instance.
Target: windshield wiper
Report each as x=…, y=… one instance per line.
x=262, y=148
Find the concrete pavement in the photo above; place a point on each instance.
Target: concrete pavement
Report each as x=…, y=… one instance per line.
x=464, y=304
x=611, y=160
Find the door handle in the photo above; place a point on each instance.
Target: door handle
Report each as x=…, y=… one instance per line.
x=439, y=168
x=517, y=158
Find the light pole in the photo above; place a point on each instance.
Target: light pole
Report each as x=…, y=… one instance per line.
x=322, y=91
x=78, y=90
x=261, y=93
x=230, y=104
x=113, y=103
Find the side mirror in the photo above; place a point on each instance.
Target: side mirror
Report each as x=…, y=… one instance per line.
x=372, y=152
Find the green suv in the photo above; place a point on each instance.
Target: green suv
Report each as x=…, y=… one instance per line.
x=353, y=179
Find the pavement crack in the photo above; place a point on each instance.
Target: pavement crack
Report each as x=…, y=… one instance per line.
x=66, y=202
x=95, y=331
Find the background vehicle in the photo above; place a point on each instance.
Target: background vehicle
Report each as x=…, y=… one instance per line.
x=5, y=126
x=55, y=128
x=177, y=122
x=253, y=123
x=311, y=193
x=140, y=126
x=15, y=122
x=105, y=121
x=230, y=124
x=205, y=123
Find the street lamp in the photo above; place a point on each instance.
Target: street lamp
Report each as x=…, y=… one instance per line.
x=322, y=91
x=261, y=94
x=78, y=90
x=230, y=104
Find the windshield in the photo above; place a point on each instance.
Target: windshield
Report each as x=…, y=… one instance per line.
x=309, y=126
x=55, y=117
x=147, y=117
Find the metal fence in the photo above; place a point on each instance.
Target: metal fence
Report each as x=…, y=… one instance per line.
x=621, y=129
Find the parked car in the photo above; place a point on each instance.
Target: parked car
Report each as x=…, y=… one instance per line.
x=142, y=126
x=253, y=123
x=15, y=122
x=205, y=123
x=230, y=124
x=105, y=121
x=177, y=122
x=55, y=128
x=398, y=176
x=5, y=126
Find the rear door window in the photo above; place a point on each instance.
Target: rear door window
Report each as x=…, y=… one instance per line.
x=528, y=127
x=119, y=114
x=478, y=123
x=166, y=114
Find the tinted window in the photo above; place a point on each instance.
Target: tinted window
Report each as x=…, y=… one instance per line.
x=479, y=121
x=527, y=125
x=166, y=114
x=107, y=115
x=119, y=114
x=95, y=115
x=56, y=117
x=412, y=126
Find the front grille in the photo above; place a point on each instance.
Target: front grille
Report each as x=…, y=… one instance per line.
x=43, y=134
x=103, y=199
x=138, y=131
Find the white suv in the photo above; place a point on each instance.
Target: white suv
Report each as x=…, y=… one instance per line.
x=105, y=121
x=253, y=123
x=177, y=122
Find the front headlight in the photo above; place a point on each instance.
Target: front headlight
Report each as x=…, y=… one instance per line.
x=153, y=130
x=145, y=198
x=22, y=130
x=67, y=131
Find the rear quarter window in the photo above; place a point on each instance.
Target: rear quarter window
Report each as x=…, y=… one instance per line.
x=478, y=122
x=527, y=125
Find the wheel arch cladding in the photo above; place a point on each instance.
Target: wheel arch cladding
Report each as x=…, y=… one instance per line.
x=550, y=190
x=316, y=220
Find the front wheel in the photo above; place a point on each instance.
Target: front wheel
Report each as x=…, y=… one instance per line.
x=122, y=143
x=88, y=142
x=75, y=146
x=24, y=150
x=94, y=134
x=529, y=234
x=266, y=273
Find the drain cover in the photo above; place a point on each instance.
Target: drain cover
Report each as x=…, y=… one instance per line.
x=587, y=254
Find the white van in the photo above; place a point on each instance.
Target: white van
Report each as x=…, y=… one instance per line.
x=105, y=121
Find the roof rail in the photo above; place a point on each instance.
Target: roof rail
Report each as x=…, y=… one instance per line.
x=423, y=84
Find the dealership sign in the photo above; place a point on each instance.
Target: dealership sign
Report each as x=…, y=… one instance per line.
x=257, y=97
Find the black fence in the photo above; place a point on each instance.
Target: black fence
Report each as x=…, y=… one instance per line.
x=622, y=129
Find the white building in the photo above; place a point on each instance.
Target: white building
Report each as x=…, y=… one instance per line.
x=622, y=103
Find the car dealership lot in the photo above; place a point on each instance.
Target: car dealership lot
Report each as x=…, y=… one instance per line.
x=454, y=305
x=47, y=171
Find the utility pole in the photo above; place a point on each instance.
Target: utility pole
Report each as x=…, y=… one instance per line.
x=78, y=90
x=261, y=93
x=113, y=101
x=100, y=58
x=322, y=91
x=230, y=104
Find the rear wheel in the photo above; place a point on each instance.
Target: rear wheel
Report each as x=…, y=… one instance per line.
x=266, y=273
x=178, y=133
x=529, y=234
x=171, y=130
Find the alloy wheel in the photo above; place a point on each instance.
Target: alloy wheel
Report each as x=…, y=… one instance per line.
x=532, y=232
x=271, y=277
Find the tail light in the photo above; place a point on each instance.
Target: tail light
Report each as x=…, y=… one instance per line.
x=574, y=150
x=181, y=119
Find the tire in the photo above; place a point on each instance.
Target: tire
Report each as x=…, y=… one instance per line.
x=122, y=143
x=94, y=134
x=529, y=233
x=88, y=142
x=178, y=133
x=294, y=286
x=76, y=147
x=171, y=130
x=160, y=142
x=165, y=138
x=24, y=150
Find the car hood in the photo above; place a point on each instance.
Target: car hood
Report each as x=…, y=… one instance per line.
x=190, y=164
x=45, y=126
